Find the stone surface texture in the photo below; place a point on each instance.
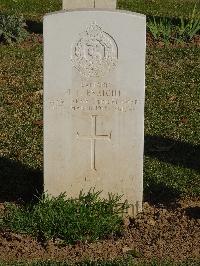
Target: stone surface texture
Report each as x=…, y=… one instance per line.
x=106, y=4
x=73, y=4
x=94, y=90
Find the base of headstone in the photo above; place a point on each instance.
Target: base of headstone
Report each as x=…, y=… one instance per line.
x=134, y=209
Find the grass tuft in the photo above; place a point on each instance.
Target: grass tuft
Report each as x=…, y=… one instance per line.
x=165, y=29
x=12, y=28
x=87, y=218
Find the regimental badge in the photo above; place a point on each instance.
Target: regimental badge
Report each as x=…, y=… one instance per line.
x=95, y=53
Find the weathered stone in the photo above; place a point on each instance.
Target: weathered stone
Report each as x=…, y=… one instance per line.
x=75, y=4
x=94, y=73
x=106, y=4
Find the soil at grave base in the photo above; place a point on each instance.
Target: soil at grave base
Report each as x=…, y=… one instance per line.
x=159, y=232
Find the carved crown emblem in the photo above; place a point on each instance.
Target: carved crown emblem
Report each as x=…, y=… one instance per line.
x=95, y=53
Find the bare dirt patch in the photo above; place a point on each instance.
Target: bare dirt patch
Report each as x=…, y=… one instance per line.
x=162, y=232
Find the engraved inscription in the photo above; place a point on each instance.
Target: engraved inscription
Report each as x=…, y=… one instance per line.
x=93, y=138
x=95, y=97
x=134, y=209
x=95, y=53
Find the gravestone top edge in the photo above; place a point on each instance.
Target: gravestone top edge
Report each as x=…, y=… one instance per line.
x=119, y=11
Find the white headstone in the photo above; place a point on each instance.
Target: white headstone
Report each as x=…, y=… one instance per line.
x=94, y=89
x=105, y=4
x=73, y=4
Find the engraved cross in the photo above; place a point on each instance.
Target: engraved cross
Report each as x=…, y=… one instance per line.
x=93, y=138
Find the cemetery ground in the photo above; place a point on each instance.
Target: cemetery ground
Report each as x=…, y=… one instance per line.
x=167, y=232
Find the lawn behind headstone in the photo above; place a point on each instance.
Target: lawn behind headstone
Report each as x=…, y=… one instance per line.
x=35, y=9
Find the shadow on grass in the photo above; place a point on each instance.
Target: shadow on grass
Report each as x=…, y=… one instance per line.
x=193, y=212
x=34, y=26
x=160, y=193
x=18, y=182
x=174, y=152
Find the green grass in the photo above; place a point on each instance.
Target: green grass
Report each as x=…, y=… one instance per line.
x=172, y=93
x=35, y=9
x=12, y=28
x=167, y=31
x=20, y=80
x=31, y=9
x=21, y=139
x=168, y=8
x=172, y=121
x=68, y=221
